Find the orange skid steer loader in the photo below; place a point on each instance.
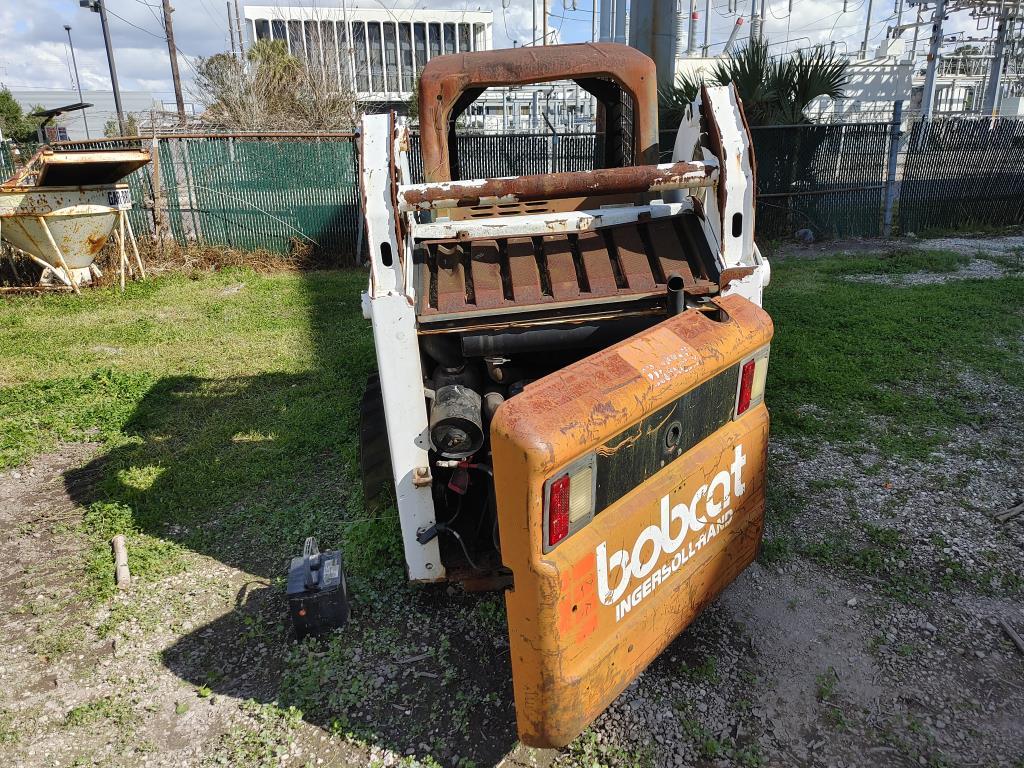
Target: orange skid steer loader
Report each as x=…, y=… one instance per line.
x=571, y=371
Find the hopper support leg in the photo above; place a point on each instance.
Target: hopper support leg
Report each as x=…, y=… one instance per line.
x=60, y=256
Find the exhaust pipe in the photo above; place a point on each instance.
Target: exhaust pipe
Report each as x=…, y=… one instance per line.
x=676, y=296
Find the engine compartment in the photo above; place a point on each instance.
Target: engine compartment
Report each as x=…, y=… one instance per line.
x=570, y=295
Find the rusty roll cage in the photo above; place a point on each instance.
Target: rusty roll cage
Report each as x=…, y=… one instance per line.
x=449, y=84
x=554, y=186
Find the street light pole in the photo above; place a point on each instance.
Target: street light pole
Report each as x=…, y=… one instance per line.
x=97, y=6
x=78, y=82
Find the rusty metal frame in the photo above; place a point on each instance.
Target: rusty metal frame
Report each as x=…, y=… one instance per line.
x=450, y=82
x=555, y=186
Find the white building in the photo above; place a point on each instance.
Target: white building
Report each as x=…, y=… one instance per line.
x=380, y=51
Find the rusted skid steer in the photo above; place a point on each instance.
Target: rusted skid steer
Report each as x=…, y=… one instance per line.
x=569, y=402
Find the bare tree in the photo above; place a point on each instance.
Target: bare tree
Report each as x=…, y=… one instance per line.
x=271, y=90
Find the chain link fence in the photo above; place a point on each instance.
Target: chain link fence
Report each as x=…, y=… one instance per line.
x=962, y=171
x=279, y=191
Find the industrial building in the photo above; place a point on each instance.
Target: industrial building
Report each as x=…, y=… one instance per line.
x=377, y=52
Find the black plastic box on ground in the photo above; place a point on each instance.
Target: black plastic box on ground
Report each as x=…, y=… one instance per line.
x=317, y=594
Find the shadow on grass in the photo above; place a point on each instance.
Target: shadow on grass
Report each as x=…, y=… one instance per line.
x=242, y=470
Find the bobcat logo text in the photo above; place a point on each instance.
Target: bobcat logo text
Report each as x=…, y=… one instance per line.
x=682, y=530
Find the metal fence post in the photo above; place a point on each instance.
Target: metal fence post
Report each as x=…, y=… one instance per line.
x=890, y=181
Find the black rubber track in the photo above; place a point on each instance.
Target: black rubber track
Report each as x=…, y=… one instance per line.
x=374, y=453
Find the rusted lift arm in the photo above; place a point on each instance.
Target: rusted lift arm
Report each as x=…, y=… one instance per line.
x=553, y=186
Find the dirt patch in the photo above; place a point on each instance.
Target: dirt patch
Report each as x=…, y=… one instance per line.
x=977, y=269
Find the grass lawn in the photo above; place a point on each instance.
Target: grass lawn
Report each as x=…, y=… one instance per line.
x=887, y=364
x=227, y=405
x=226, y=412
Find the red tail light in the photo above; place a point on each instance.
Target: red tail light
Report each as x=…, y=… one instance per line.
x=558, y=511
x=746, y=385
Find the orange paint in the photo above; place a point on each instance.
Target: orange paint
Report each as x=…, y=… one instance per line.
x=588, y=617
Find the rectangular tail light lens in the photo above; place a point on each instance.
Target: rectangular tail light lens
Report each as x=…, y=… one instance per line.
x=558, y=510
x=751, y=385
x=746, y=387
x=569, y=500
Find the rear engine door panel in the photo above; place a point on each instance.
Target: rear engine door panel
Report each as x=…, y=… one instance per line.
x=630, y=493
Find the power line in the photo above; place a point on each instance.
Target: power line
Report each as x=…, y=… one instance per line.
x=141, y=29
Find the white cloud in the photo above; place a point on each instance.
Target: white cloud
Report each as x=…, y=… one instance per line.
x=33, y=50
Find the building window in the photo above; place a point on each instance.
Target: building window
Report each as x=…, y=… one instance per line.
x=479, y=37
x=295, y=39
x=250, y=35
x=312, y=38
x=376, y=58
x=449, y=38
x=262, y=29
x=464, y=38
x=330, y=50
x=435, y=40
x=420, y=38
x=359, y=49
x=279, y=29
x=405, y=47
x=344, y=57
x=391, y=56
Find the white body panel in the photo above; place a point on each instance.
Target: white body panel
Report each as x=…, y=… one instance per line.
x=390, y=301
x=733, y=210
x=393, y=314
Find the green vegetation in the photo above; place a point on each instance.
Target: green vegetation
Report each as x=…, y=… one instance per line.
x=262, y=742
x=706, y=671
x=857, y=362
x=227, y=416
x=114, y=710
x=587, y=750
x=14, y=123
x=775, y=90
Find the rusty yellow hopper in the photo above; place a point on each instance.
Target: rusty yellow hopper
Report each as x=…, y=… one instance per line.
x=61, y=208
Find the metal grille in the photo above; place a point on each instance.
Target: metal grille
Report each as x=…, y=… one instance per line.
x=961, y=172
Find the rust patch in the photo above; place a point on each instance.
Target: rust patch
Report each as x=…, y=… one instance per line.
x=95, y=243
x=556, y=186
x=448, y=84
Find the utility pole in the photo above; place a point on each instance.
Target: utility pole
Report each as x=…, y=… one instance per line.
x=238, y=26
x=533, y=7
x=231, y=30
x=755, y=21
x=544, y=20
x=78, y=81
x=707, y=21
x=991, y=105
x=691, y=41
x=867, y=28
x=173, y=53
x=97, y=6
x=928, y=100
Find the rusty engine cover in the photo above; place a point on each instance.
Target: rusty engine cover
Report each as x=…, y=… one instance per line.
x=673, y=523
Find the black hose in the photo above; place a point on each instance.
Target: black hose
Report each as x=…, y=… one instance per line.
x=442, y=349
x=580, y=336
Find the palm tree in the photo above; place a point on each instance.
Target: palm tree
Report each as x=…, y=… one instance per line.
x=775, y=91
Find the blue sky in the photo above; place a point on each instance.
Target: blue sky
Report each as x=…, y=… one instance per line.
x=33, y=50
